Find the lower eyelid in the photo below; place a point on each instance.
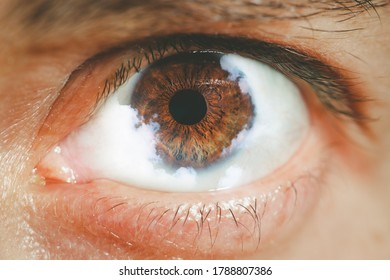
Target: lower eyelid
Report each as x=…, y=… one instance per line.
x=220, y=229
x=147, y=224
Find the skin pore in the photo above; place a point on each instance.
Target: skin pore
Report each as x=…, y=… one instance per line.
x=44, y=42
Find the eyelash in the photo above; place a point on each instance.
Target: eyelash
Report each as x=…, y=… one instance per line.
x=332, y=89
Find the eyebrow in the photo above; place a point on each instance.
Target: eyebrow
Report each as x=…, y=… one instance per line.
x=46, y=14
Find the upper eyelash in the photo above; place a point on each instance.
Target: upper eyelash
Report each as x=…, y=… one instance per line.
x=332, y=89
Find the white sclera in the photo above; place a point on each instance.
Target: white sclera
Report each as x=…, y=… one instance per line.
x=116, y=145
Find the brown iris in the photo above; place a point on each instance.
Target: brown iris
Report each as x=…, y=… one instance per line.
x=199, y=109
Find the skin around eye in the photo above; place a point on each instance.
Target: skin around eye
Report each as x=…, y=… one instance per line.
x=117, y=220
x=95, y=219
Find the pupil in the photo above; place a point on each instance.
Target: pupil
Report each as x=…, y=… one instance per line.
x=187, y=106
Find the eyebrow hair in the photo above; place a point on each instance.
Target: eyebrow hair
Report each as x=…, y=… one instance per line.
x=47, y=14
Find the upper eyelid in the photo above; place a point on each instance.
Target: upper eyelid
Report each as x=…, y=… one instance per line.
x=331, y=87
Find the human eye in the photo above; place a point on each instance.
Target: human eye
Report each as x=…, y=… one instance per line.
x=192, y=146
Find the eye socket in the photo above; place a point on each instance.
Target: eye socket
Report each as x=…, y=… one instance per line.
x=225, y=223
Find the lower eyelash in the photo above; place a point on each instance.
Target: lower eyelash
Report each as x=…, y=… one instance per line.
x=202, y=230
x=143, y=228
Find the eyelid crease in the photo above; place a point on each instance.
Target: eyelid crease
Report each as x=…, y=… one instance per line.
x=333, y=89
